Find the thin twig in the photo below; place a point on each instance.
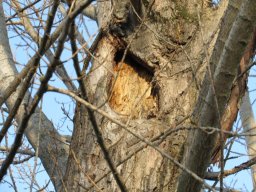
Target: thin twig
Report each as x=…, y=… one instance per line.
x=236, y=169
x=22, y=9
x=44, y=82
x=92, y=118
x=149, y=143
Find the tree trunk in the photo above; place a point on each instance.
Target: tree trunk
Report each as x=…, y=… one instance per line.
x=147, y=73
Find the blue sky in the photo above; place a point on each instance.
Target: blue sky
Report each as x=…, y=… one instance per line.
x=53, y=103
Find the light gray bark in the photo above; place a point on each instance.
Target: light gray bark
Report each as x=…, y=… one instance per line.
x=156, y=48
x=169, y=46
x=89, y=11
x=200, y=143
x=249, y=125
x=53, y=151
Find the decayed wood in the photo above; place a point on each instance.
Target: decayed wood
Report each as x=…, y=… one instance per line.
x=147, y=74
x=172, y=93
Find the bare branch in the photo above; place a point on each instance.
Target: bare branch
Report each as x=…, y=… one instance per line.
x=24, y=121
x=21, y=151
x=236, y=169
x=124, y=126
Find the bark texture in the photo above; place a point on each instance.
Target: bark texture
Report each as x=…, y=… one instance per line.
x=159, y=67
x=218, y=96
x=147, y=73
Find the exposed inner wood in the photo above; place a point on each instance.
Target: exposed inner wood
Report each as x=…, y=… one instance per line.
x=132, y=90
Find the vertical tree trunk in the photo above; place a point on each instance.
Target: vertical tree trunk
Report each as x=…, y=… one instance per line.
x=147, y=73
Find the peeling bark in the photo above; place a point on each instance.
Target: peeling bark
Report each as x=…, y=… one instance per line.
x=236, y=95
x=217, y=97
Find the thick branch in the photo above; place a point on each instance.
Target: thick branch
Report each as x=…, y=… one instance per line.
x=238, y=91
x=197, y=155
x=249, y=124
x=89, y=11
x=49, y=147
x=61, y=71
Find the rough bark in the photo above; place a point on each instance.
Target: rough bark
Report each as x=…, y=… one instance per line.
x=150, y=71
x=139, y=62
x=217, y=97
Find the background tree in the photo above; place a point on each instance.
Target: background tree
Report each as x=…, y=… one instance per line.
x=154, y=107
